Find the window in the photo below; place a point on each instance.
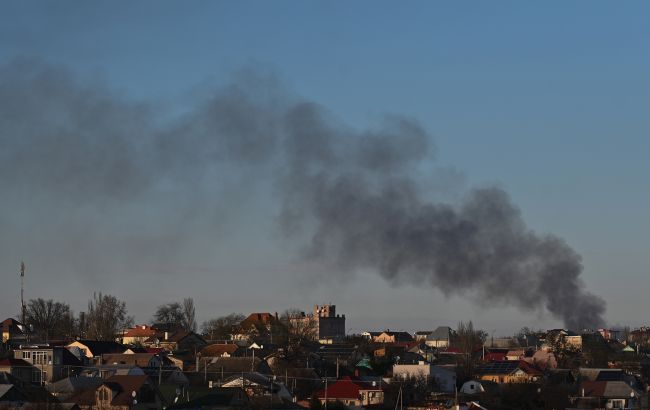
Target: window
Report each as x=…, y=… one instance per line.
x=41, y=358
x=27, y=355
x=617, y=404
x=38, y=376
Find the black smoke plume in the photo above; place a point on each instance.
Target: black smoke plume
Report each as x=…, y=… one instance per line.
x=362, y=197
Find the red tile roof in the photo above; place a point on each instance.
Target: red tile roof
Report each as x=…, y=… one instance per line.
x=258, y=319
x=141, y=331
x=495, y=357
x=346, y=388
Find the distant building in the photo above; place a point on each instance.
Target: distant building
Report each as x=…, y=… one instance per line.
x=352, y=393
x=444, y=378
x=138, y=334
x=13, y=332
x=50, y=363
x=323, y=324
x=440, y=338
x=388, y=336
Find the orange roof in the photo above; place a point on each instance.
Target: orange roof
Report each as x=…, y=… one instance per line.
x=141, y=331
x=258, y=319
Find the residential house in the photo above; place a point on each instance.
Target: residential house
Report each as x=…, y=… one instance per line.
x=66, y=388
x=106, y=371
x=352, y=393
x=18, y=368
x=609, y=395
x=221, y=350
x=509, y=371
x=90, y=349
x=176, y=340
x=421, y=335
x=258, y=385
x=139, y=334
x=443, y=377
x=440, y=338
x=218, y=369
x=370, y=335
x=640, y=336
x=568, y=337
x=343, y=353
x=50, y=363
x=134, y=359
x=257, y=326
x=323, y=324
x=543, y=359
x=393, y=337
x=13, y=332
x=120, y=393
x=16, y=394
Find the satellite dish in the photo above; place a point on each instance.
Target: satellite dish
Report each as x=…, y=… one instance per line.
x=133, y=394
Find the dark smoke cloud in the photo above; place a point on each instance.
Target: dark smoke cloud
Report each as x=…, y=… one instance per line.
x=360, y=196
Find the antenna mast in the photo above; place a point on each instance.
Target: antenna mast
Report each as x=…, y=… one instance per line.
x=22, y=291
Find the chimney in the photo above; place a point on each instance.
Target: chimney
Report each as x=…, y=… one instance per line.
x=166, y=336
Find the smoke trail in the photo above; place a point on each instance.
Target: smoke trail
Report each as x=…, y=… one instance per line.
x=361, y=196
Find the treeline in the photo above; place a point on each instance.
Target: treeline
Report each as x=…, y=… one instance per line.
x=49, y=320
x=107, y=316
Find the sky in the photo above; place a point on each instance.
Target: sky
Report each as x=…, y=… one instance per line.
x=547, y=102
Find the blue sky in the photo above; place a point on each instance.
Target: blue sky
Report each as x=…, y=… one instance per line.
x=547, y=100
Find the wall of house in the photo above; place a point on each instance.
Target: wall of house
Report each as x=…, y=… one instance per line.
x=507, y=378
x=445, y=379
x=404, y=371
x=440, y=343
x=331, y=327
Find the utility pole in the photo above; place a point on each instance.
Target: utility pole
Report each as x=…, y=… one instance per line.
x=325, y=390
x=22, y=292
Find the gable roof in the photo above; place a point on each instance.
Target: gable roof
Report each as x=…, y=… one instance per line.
x=346, y=388
x=141, y=331
x=505, y=367
x=217, y=350
x=607, y=389
x=135, y=359
x=71, y=385
x=122, y=386
x=264, y=318
x=441, y=333
x=11, y=324
x=399, y=336
x=100, y=347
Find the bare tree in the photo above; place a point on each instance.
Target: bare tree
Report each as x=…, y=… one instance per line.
x=49, y=318
x=468, y=340
x=189, y=315
x=169, y=315
x=106, y=316
x=221, y=328
x=174, y=316
x=300, y=326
